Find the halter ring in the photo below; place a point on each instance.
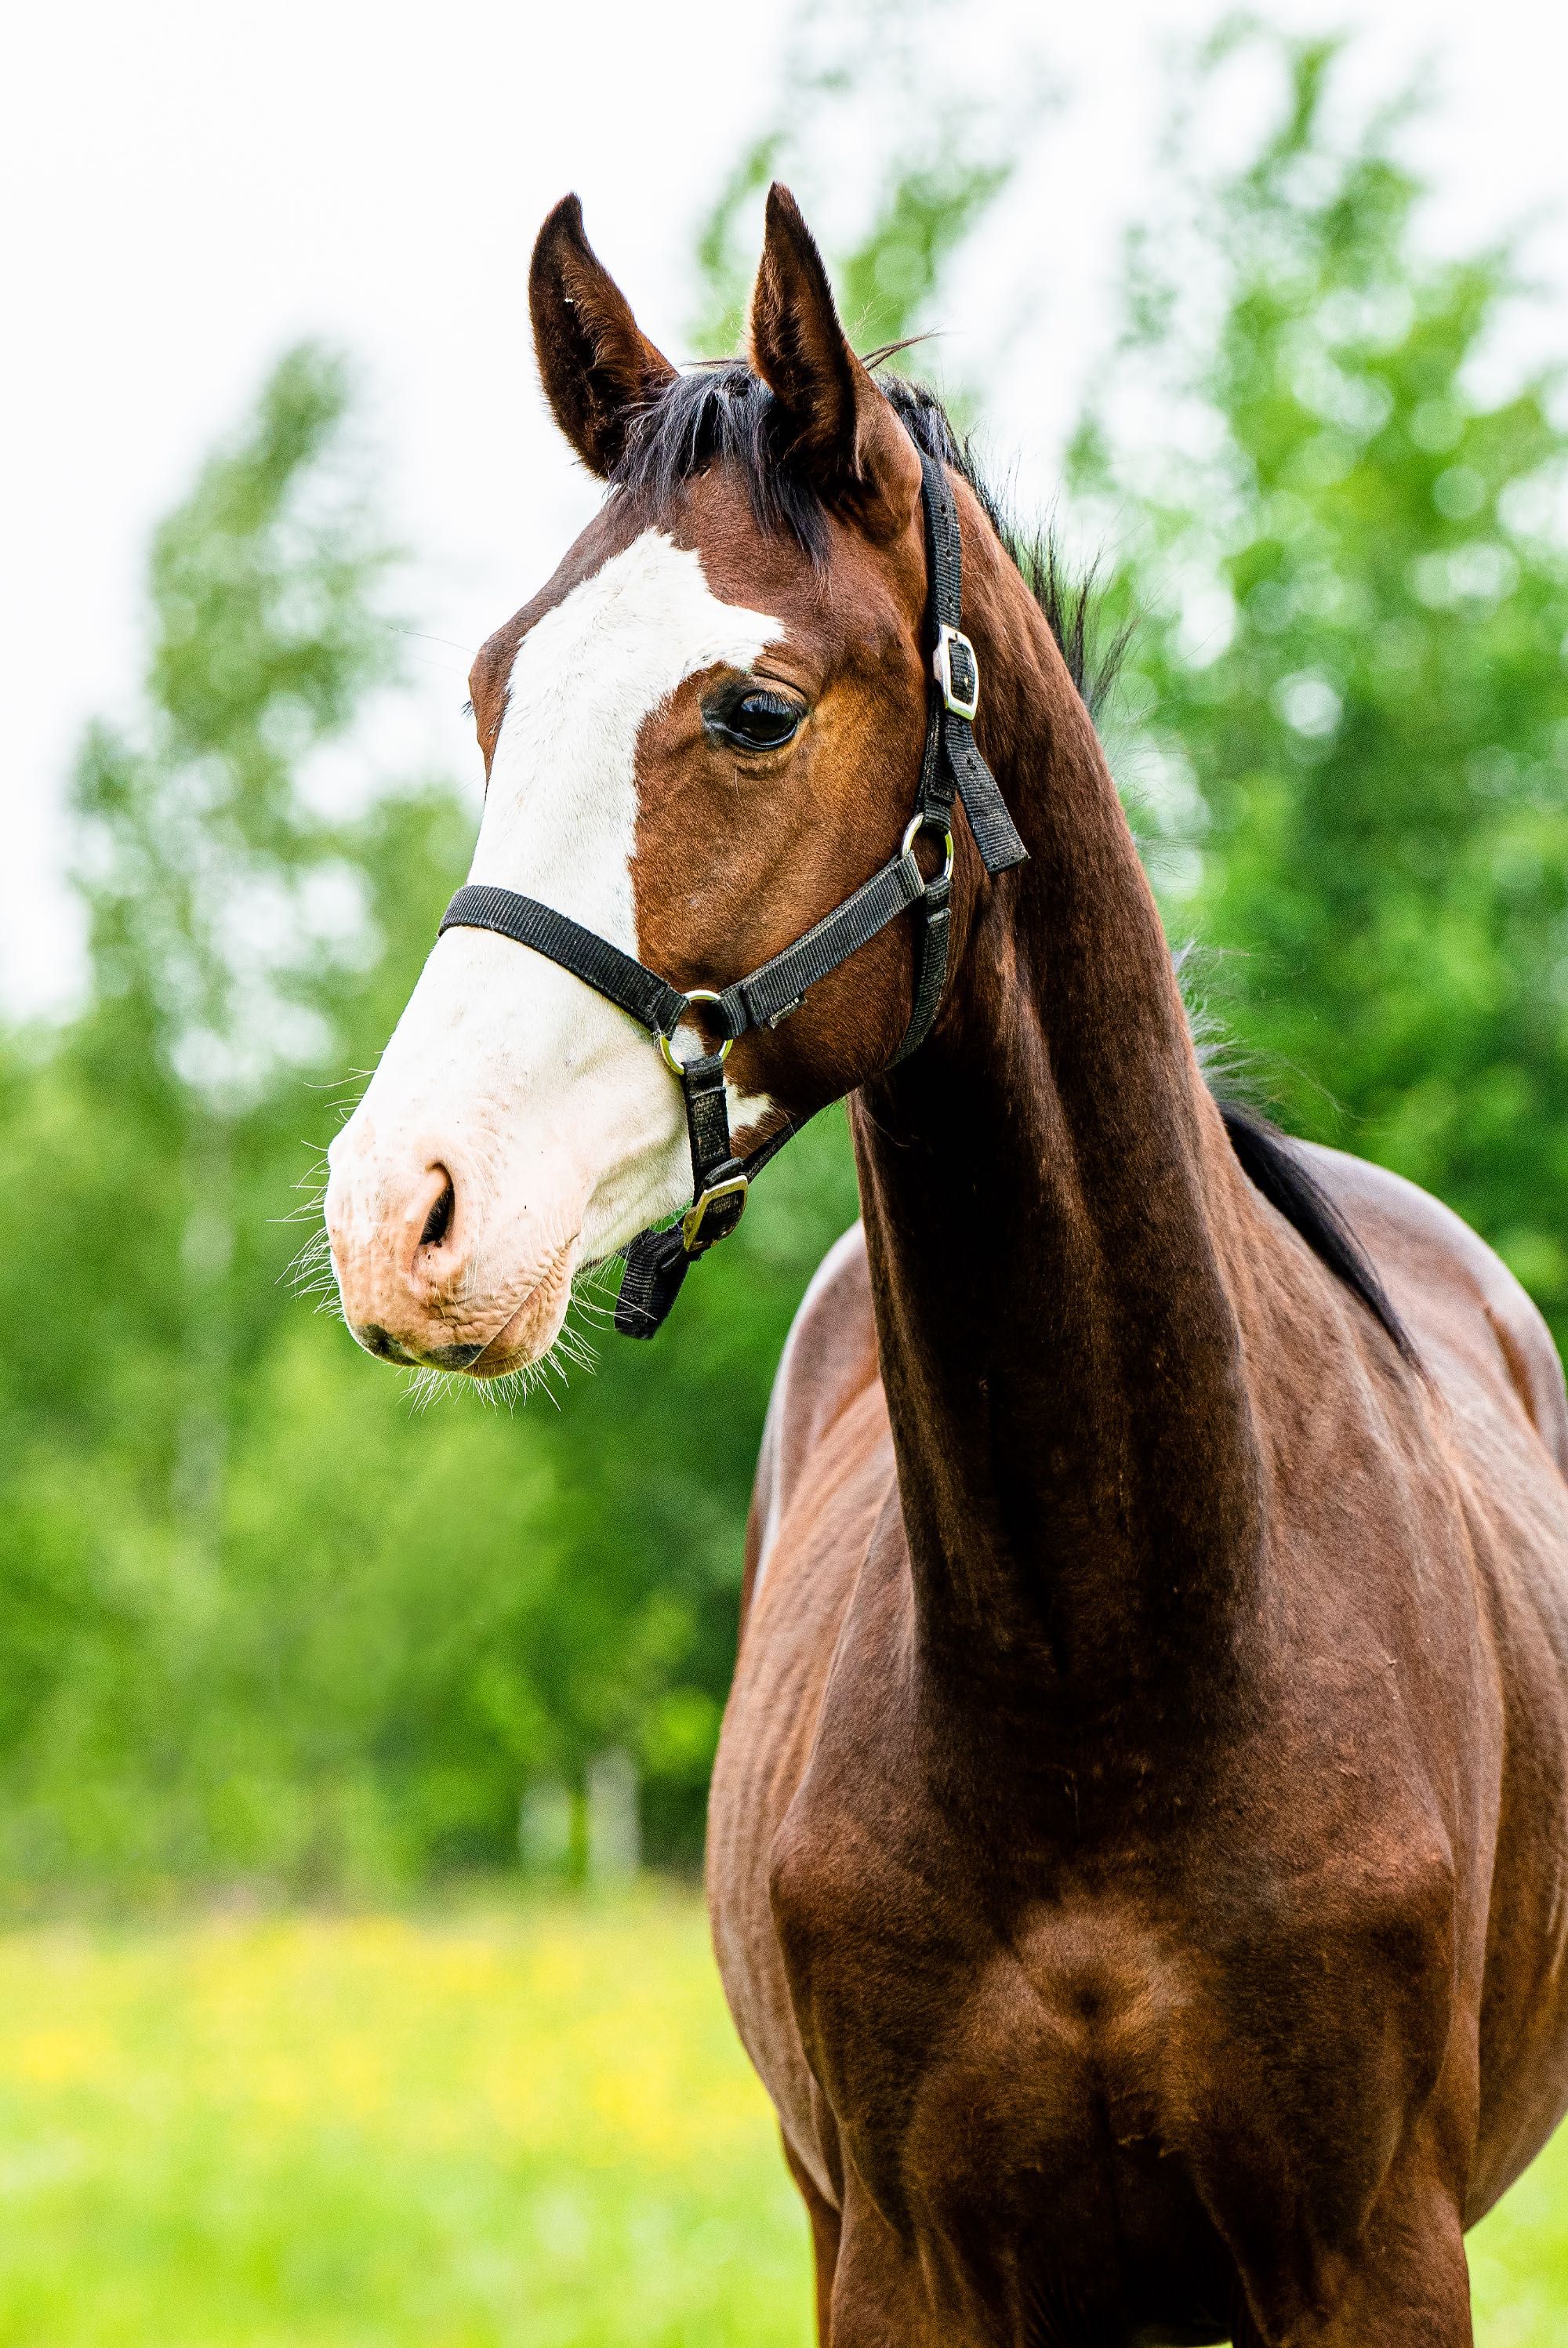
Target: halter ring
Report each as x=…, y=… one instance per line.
x=911, y=831
x=696, y=994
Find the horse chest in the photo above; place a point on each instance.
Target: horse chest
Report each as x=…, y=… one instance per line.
x=1057, y=2053
x=1058, y=2083
x=1002, y=2102
x=937, y=2026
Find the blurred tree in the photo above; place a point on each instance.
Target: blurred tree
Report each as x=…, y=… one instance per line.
x=1350, y=569
x=223, y=911
x=255, y=1614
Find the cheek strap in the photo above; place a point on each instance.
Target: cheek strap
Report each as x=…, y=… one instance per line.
x=951, y=767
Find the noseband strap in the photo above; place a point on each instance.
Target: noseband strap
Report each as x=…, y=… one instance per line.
x=657, y=1261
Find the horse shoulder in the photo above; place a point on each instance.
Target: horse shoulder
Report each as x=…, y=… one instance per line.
x=830, y=1359
x=1493, y=1362
x=824, y=1475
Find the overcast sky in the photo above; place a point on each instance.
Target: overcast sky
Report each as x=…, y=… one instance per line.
x=190, y=185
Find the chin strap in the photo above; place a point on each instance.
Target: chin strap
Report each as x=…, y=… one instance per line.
x=657, y=1260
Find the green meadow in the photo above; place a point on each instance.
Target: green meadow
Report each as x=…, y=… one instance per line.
x=512, y=2125
x=520, y=2124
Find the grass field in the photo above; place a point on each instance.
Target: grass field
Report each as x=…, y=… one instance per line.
x=513, y=2124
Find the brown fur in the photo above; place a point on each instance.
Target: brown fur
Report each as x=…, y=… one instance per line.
x=1140, y=1837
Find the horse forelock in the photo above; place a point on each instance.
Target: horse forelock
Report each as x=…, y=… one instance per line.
x=722, y=413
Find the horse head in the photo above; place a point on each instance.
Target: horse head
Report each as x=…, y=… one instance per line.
x=698, y=737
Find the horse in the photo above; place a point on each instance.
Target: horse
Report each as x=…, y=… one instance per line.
x=1138, y=1849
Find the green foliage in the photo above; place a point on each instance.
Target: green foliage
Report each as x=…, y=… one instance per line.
x=223, y=908
x=1352, y=582
x=260, y=1617
x=167, y=1696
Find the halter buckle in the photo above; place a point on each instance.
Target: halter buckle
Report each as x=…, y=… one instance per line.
x=696, y=994
x=957, y=670
x=737, y=1185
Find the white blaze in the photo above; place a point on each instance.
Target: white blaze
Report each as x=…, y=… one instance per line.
x=560, y=821
x=553, y=1110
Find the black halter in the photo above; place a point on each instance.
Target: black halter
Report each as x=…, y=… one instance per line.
x=657, y=1261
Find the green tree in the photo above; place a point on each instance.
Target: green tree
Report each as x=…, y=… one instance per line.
x=223, y=911
x=256, y=1615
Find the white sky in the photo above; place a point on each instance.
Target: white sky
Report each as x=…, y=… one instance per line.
x=189, y=185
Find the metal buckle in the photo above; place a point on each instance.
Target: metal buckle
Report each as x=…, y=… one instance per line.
x=947, y=640
x=736, y=1187
x=911, y=831
x=698, y=994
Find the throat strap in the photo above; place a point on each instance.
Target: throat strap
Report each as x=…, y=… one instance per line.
x=951, y=767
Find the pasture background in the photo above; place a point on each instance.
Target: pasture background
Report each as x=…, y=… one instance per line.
x=273, y=1627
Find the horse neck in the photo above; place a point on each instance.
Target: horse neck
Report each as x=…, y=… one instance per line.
x=1045, y=1188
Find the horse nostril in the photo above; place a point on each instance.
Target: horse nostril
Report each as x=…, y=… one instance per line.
x=439, y=1222
x=381, y=1343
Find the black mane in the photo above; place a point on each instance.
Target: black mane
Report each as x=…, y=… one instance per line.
x=1272, y=1165
x=724, y=414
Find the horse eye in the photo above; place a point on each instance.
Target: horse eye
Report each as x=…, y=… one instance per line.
x=759, y=721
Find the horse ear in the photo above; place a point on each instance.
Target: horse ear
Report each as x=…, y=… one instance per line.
x=597, y=366
x=837, y=424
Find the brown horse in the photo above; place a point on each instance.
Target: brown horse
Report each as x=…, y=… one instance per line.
x=1138, y=1850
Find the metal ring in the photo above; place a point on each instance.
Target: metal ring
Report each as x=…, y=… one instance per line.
x=911, y=831
x=697, y=995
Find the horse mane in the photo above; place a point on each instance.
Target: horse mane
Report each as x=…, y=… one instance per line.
x=1273, y=1168
x=722, y=413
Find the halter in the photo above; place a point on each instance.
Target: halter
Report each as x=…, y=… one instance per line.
x=657, y=1260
